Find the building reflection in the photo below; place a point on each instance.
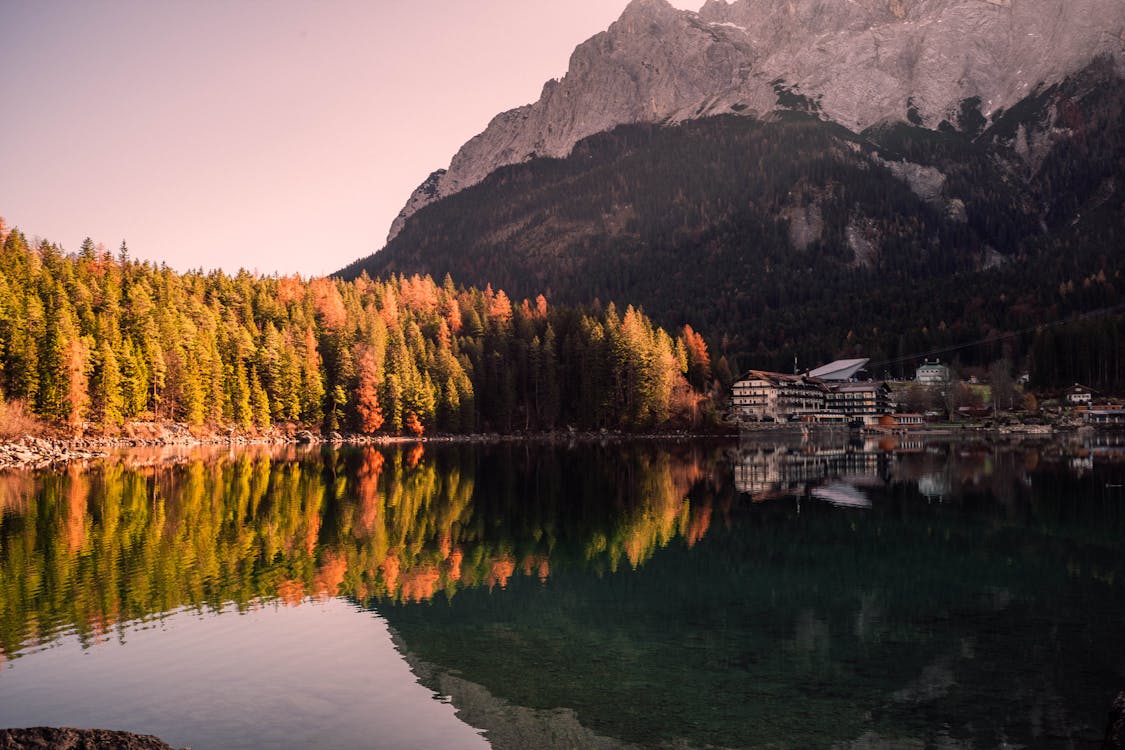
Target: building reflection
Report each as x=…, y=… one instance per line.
x=843, y=470
x=839, y=468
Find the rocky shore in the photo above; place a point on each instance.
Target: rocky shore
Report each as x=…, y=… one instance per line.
x=45, y=451
x=31, y=452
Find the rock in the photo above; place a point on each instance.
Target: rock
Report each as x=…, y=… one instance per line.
x=425, y=193
x=925, y=182
x=68, y=738
x=304, y=436
x=1115, y=727
x=806, y=223
x=855, y=62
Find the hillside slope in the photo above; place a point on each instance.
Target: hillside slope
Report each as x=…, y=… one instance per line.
x=791, y=235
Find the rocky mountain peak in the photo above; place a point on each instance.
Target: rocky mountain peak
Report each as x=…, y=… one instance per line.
x=648, y=9
x=855, y=62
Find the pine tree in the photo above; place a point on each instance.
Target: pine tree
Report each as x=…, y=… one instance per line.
x=312, y=381
x=259, y=403
x=242, y=411
x=107, y=393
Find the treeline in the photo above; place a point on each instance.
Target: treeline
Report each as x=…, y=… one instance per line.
x=94, y=338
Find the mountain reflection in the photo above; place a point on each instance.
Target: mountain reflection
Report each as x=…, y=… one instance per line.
x=92, y=547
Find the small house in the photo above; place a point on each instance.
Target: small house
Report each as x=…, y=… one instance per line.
x=932, y=373
x=1079, y=395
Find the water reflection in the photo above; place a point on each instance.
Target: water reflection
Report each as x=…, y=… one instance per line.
x=946, y=594
x=800, y=593
x=842, y=470
x=125, y=540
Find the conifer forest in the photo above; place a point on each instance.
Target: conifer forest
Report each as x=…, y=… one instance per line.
x=95, y=339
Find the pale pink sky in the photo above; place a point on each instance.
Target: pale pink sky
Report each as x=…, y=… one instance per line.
x=272, y=135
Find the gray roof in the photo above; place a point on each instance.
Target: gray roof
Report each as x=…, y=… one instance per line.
x=867, y=385
x=841, y=369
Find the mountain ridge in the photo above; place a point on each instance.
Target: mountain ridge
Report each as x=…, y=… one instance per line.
x=854, y=62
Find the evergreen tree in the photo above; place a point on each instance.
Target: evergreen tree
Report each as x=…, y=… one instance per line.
x=108, y=400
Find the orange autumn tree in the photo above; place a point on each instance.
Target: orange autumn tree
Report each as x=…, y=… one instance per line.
x=77, y=355
x=367, y=392
x=698, y=360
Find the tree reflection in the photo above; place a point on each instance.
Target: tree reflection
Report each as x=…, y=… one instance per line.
x=92, y=547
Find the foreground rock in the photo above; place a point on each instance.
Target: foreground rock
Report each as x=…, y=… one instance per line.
x=68, y=738
x=1115, y=728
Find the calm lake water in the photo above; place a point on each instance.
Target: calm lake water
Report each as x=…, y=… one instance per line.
x=817, y=594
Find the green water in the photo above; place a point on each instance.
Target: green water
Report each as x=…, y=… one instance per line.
x=795, y=595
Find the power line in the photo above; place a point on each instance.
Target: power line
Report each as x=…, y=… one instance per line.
x=1004, y=336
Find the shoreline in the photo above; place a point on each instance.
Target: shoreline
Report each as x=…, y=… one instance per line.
x=49, y=448
x=43, y=451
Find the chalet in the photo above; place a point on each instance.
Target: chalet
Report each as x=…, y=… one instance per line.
x=1079, y=395
x=932, y=373
x=763, y=396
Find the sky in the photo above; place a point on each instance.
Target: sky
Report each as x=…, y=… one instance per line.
x=276, y=136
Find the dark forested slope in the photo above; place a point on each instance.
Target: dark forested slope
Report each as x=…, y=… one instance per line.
x=793, y=236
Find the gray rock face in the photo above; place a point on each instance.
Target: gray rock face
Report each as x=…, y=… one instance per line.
x=856, y=62
x=427, y=192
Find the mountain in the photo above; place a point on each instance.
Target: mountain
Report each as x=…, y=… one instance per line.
x=856, y=62
x=807, y=178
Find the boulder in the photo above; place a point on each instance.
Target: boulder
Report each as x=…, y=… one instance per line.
x=69, y=738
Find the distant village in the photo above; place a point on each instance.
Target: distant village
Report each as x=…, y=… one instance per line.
x=843, y=393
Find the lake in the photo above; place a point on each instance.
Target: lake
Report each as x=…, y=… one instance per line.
x=772, y=593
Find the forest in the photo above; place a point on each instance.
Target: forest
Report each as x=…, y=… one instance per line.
x=92, y=340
